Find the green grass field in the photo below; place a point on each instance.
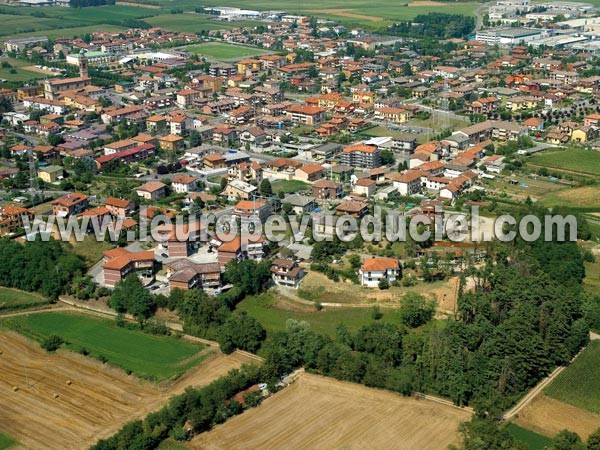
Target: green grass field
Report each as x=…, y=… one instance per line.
x=12, y=299
x=575, y=160
x=221, y=51
x=325, y=321
x=579, y=384
x=190, y=23
x=6, y=441
x=533, y=440
x=289, y=186
x=148, y=356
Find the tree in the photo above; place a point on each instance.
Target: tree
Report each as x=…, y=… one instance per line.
x=387, y=157
x=567, y=440
x=130, y=296
x=415, y=310
x=265, y=188
x=383, y=284
x=5, y=106
x=593, y=442
x=241, y=331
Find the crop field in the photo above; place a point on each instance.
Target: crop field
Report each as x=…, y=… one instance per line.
x=128, y=349
x=13, y=299
x=571, y=401
x=534, y=441
x=42, y=411
x=547, y=416
x=190, y=23
x=579, y=384
x=318, y=412
x=221, y=51
x=375, y=14
x=586, y=196
x=574, y=160
x=273, y=314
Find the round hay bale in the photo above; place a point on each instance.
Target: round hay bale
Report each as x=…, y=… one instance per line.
x=15, y=388
x=56, y=395
x=69, y=382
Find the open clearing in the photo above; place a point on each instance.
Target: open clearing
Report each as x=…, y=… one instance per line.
x=318, y=412
x=224, y=51
x=12, y=299
x=273, y=314
x=125, y=348
x=548, y=416
x=97, y=403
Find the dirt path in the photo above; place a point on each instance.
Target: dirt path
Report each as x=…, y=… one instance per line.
x=533, y=393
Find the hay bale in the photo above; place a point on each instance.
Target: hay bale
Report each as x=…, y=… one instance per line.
x=69, y=382
x=56, y=395
x=15, y=388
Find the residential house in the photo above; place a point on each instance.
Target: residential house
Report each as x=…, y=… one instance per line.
x=374, y=270
x=286, y=272
x=70, y=204
x=152, y=190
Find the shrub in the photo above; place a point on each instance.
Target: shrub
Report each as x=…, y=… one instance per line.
x=52, y=343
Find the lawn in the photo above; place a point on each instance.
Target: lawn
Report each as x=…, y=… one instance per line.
x=90, y=249
x=579, y=384
x=13, y=299
x=263, y=309
x=289, y=186
x=221, y=51
x=533, y=440
x=574, y=160
x=148, y=356
x=6, y=441
x=21, y=74
x=68, y=32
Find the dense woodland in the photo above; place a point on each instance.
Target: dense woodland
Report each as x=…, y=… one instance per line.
x=436, y=25
x=45, y=267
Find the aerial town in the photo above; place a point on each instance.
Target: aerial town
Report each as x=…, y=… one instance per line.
x=148, y=119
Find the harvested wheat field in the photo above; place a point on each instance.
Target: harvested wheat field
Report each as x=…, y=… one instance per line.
x=318, y=412
x=42, y=410
x=547, y=416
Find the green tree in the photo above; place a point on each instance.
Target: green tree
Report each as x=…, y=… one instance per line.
x=265, y=188
x=415, y=310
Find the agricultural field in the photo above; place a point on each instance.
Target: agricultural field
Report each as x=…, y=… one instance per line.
x=289, y=186
x=221, y=51
x=190, y=23
x=533, y=186
x=571, y=401
x=318, y=412
x=14, y=299
x=273, y=312
x=585, y=196
x=574, y=160
x=97, y=402
x=579, y=383
x=121, y=347
x=374, y=14
x=19, y=67
x=592, y=272
x=534, y=441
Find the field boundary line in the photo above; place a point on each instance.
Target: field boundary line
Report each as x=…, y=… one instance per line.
x=535, y=391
